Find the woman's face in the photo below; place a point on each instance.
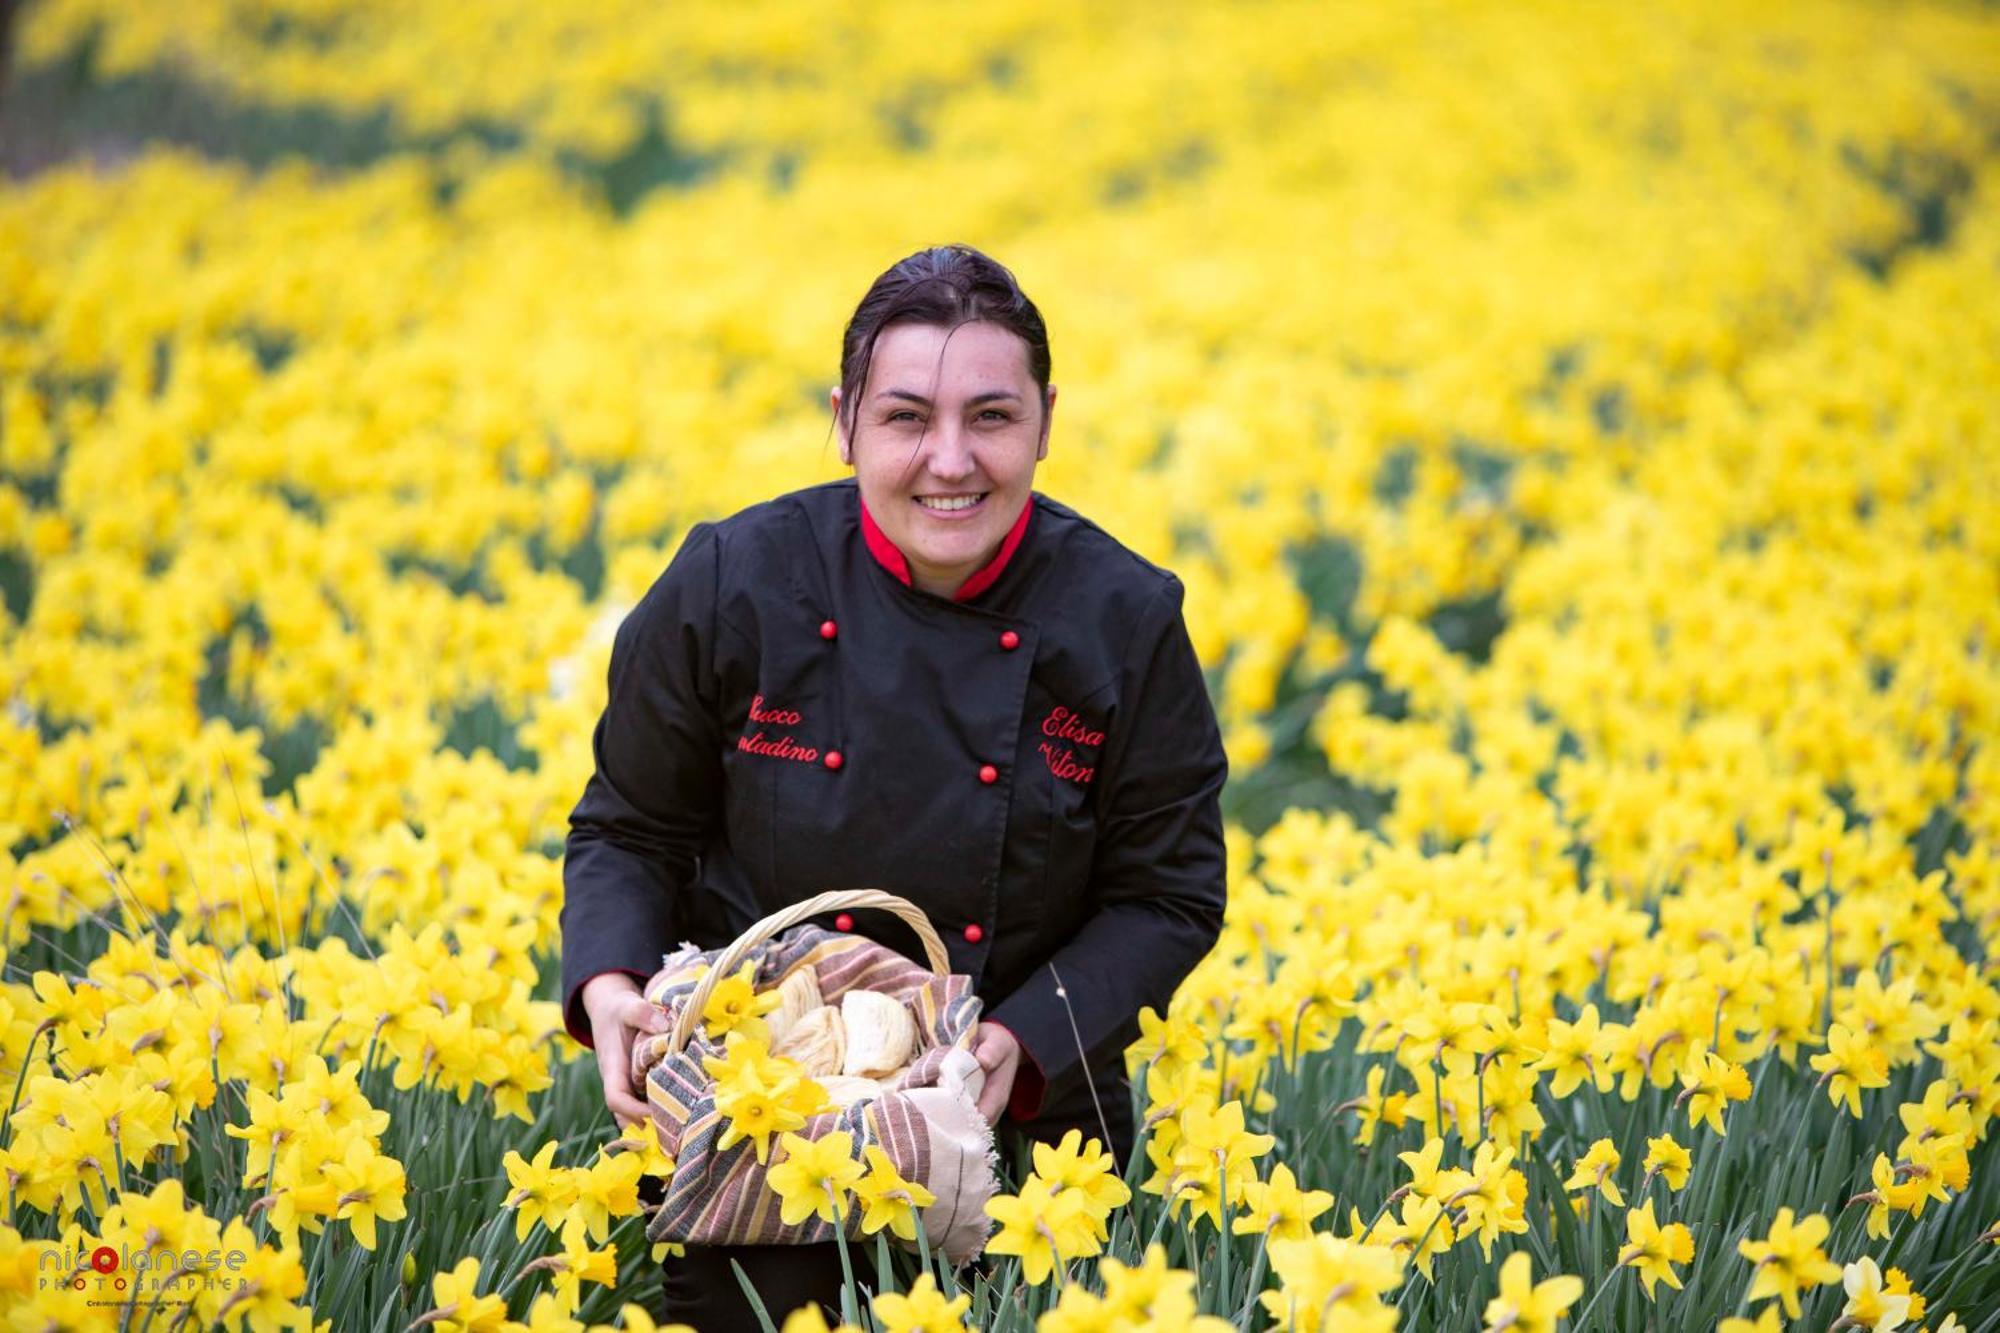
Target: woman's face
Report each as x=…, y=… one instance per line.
x=929, y=437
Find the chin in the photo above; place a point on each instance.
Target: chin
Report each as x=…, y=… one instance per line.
x=964, y=548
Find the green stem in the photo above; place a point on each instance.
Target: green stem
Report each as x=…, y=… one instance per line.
x=1577, y=1324
x=1224, y=1249
x=1418, y=1249
x=20, y=1081
x=1437, y=1088
x=850, y=1300
x=1256, y=1282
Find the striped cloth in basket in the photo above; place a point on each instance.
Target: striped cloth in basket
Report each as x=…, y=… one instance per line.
x=928, y=1122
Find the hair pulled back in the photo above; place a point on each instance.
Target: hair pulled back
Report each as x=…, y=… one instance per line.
x=945, y=285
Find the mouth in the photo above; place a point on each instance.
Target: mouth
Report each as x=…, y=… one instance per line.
x=951, y=506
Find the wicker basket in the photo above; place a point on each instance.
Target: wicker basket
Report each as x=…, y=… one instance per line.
x=928, y=1124
x=731, y=958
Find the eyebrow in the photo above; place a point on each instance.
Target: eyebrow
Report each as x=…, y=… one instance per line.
x=991, y=395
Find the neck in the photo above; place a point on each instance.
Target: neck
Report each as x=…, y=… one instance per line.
x=946, y=583
x=957, y=584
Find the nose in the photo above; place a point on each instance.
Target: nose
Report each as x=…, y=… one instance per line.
x=949, y=453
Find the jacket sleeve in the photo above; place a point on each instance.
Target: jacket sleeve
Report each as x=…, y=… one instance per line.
x=1157, y=876
x=635, y=834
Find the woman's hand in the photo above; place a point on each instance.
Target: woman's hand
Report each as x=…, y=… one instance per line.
x=999, y=1055
x=618, y=1012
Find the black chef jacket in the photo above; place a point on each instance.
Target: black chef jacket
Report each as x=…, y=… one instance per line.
x=1034, y=762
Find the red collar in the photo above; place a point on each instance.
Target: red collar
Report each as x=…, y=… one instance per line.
x=891, y=558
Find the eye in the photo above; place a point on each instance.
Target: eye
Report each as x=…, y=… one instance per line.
x=902, y=412
x=996, y=412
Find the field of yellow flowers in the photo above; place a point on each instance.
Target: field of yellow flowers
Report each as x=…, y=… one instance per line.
x=1576, y=428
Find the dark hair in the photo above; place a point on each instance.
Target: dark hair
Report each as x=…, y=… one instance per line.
x=947, y=285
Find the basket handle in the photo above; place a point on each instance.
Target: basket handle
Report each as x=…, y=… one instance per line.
x=733, y=956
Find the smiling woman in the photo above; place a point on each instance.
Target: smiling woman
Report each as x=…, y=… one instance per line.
x=931, y=680
x=967, y=375
x=948, y=507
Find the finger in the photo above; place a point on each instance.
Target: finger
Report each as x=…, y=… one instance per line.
x=614, y=1062
x=993, y=1097
x=642, y=1015
x=615, y=1066
x=986, y=1049
x=626, y=1107
x=999, y=1054
x=604, y=1057
x=614, y=1056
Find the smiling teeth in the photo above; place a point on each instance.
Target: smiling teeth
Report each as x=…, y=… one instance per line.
x=964, y=502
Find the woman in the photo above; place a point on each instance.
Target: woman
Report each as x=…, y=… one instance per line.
x=928, y=679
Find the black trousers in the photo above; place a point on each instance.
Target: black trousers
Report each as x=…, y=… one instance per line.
x=700, y=1289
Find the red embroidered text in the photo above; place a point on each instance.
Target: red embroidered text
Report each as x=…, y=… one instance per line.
x=1064, y=724
x=777, y=717
x=1068, y=726
x=784, y=747
x=778, y=749
x=1064, y=765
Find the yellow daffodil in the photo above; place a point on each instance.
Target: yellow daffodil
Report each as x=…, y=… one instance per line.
x=754, y=1110
x=1375, y=1107
x=1789, y=1259
x=812, y=1177
x=1279, y=1208
x=1425, y=1231
x=607, y=1188
x=1491, y=1195
x=369, y=1186
x=1869, y=1305
x=578, y=1264
x=923, y=1310
x=809, y=1318
x=1328, y=1283
x=1850, y=1063
x=1895, y=1282
x=1042, y=1228
x=886, y=1198
x=1527, y=1306
x=1668, y=1160
x=735, y=1006
x=541, y=1191
x=1709, y=1083
x=1425, y=1177
x=1653, y=1250
x=1593, y=1171
x=458, y=1308
x=1077, y=1164
x=1151, y=1293
x=1570, y=1054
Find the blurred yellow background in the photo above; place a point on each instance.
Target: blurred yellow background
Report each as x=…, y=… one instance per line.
x=1574, y=424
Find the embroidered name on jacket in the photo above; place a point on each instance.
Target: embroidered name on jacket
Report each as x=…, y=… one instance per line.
x=1065, y=729
x=782, y=748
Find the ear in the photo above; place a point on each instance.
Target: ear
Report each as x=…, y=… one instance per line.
x=1048, y=417
x=840, y=429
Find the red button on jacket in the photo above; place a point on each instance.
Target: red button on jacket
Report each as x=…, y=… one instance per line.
x=973, y=934
x=843, y=922
x=1010, y=640
x=827, y=629
x=988, y=773
x=833, y=759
